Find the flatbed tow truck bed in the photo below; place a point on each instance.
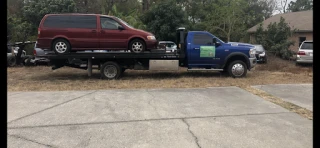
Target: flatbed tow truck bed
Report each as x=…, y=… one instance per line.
x=156, y=59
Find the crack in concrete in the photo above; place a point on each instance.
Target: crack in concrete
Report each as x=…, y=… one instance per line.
x=193, y=135
x=149, y=102
x=23, y=138
x=50, y=107
x=145, y=120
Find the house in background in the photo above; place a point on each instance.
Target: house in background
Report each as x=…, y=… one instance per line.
x=302, y=21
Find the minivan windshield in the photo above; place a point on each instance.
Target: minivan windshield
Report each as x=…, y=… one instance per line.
x=125, y=23
x=307, y=46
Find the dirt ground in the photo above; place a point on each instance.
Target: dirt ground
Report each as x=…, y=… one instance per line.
x=42, y=78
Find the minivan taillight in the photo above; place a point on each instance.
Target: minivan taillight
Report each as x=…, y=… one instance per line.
x=34, y=52
x=301, y=53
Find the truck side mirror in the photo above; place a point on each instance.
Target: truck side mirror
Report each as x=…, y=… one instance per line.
x=214, y=40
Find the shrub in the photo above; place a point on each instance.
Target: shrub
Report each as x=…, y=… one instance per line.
x=275, y=38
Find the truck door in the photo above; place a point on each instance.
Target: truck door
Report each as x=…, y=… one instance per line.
x=202, y=51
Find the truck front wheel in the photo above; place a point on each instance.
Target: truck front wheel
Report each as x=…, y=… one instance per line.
x=110, y=70
x=237, y=69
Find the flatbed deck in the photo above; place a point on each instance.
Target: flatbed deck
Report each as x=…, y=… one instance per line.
x=116, y=55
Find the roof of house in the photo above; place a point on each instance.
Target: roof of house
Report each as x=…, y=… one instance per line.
x=302, y=21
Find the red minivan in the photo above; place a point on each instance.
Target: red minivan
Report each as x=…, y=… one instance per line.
x=64, y=33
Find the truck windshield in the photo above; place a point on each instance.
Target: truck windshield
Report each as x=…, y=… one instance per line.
x=218, y=39
x=125, y=23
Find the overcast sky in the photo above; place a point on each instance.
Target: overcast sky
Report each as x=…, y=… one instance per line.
x=279, y=4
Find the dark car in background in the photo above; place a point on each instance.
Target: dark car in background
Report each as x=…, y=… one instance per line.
x=261, y=54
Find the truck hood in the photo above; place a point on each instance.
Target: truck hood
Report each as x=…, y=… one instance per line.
x=241, y=44
x=144, y=32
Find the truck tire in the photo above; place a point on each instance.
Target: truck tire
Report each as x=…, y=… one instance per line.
x=11, y=61
x=237, y=69
x=61, y=46
x=27, y=62
x=110, y=70
x=123, y=70
x=137, y=46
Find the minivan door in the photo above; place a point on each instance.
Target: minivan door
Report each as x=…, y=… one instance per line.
x=203, y=52
x=111, y=37
x=82, y=32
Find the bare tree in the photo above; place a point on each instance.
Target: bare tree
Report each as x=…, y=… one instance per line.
x=283, y=5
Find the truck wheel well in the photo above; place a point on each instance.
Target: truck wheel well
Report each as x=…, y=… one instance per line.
x=138, y=39
x=61, y=38
x=234, y=58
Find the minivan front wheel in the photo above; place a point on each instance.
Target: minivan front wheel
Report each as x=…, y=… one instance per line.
x=61, y=46
x=137, y=46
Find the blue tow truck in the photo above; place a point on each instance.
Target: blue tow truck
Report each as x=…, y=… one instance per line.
x=197, y=50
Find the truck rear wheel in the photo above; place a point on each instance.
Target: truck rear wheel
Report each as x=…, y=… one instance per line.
x=237, y=69
x=110, y=70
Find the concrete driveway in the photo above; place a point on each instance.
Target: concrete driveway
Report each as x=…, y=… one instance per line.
x=153, y=118
x=298, y=94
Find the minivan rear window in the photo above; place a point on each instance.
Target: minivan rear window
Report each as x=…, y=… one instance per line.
x=71, y=21
x=307, y=46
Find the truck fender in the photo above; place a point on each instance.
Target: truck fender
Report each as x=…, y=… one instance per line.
x=236, y=54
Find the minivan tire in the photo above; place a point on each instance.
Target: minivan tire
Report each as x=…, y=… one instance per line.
x=135, y=44
x=241, y=66
x=61, y=46
x=110, y=70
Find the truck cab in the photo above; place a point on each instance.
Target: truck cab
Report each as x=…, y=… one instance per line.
x=204, y=51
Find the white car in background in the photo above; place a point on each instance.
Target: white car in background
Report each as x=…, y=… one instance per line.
x=169, y=46
x=305, y=53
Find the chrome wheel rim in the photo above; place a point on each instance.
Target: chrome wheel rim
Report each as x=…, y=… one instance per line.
x=61, y=47
x=110, y=71
x=237, y=69
x=137, y=47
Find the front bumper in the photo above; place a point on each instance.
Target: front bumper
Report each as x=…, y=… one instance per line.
x=253, y=62
x=304, y=61
x=261, y=57
x=152, y=44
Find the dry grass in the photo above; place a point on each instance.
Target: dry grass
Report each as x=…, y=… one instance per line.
x=277, y=71
x=42, y=78
x=291, y=107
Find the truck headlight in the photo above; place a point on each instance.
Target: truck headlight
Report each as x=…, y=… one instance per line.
x=252, y=52
x=151, y=37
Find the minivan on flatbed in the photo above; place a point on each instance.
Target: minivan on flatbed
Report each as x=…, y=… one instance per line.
x=64, y=33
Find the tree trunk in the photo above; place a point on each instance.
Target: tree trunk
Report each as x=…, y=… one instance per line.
x=145, y=5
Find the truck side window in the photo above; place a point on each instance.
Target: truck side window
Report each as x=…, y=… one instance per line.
x=202, y=39
x=108, y=23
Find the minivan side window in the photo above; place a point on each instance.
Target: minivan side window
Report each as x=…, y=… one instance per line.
x=109, y=23
x=202, y=39
x=71, y=21
x=84, y=21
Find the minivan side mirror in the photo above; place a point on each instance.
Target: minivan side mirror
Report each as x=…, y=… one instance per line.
x=120, y=28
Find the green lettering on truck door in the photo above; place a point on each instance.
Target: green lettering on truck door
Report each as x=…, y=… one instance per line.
x=207, y=51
